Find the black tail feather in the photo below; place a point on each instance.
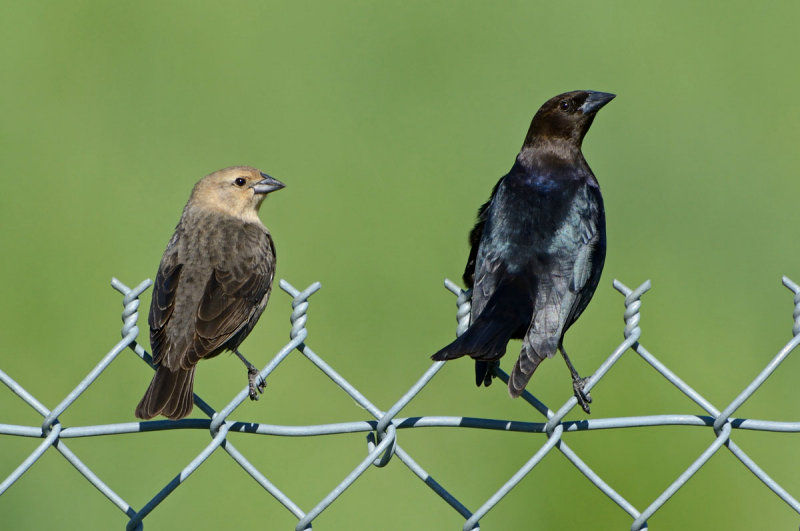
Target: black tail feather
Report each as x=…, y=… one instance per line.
x=484, y=372
x=485, y=339
x=506, y=315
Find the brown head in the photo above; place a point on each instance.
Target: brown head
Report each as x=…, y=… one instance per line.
x=236, y=191
x=566, y=118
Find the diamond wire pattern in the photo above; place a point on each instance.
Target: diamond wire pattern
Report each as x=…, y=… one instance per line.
x=381, y=432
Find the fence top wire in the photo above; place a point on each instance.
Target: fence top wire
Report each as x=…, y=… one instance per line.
x=382, y=430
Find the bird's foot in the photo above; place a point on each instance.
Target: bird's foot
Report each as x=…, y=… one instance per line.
x=252, y=375
x=584, y=398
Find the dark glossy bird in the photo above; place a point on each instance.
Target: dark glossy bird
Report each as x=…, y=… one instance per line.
x=537, y=249
x=212, y=285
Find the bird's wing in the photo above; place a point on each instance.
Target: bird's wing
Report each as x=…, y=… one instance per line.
x=491, y=271
x=589, y=218
x=234, y=294
x=563, y=293
x=163, y=302
x=475, y=236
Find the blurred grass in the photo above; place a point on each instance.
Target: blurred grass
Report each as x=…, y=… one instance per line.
x=390, y=124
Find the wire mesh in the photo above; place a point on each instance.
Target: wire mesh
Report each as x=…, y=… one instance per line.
x=382, y=430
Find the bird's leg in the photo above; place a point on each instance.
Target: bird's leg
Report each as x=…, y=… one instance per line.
x=252, y=374
x=584, y=399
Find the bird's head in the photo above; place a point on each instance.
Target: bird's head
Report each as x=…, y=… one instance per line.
x=566, y=117
x=236, y=191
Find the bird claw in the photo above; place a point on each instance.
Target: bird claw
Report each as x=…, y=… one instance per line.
x=584, y=398
x=252, y=375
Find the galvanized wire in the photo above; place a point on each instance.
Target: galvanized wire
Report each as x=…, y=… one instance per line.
x=382, y=430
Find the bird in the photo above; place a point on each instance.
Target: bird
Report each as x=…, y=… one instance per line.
x=537, y=249
x=212, y=285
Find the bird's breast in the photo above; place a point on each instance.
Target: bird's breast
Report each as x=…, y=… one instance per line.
x=529, y=224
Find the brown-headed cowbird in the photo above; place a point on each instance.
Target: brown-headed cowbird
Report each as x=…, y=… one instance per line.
x=537, y=249
x=212, y=285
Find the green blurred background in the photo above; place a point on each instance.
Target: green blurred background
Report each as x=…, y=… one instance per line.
x=390, y=124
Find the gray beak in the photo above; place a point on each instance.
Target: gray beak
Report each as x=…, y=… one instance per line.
x=595, y=101
x=267, y=184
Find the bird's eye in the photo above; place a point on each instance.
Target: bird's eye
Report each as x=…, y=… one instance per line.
x=564, y=105
x=240, y=181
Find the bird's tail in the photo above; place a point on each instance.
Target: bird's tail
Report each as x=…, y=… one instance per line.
x=486, y=338
x=534, y=350
x=170, y=394
x=484, y=372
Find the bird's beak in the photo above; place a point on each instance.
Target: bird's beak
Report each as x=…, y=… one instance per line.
x=267, y=184
x=595, y=101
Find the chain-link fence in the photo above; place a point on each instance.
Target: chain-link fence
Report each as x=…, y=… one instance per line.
x=382, y=432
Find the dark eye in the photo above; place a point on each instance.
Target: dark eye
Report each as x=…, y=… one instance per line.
x=564, y=105
x=240, y=181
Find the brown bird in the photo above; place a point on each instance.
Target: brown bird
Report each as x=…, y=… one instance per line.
x=213, y=283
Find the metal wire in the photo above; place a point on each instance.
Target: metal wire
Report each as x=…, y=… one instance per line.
x=381, y=431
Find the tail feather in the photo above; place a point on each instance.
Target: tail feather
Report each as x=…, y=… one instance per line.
x=521, y=374
x=506, y=312
x=170, y=394
x=484, y=372
x=485, y=339
x=529, y=359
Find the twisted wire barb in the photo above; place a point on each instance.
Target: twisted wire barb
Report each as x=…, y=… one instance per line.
x=382, y=432
x=794, y=288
